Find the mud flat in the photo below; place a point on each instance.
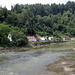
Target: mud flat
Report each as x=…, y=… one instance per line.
x=64, y=66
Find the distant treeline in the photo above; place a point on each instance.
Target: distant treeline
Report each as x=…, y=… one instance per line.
x=45, y=20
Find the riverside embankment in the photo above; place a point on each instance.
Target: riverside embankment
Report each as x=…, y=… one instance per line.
x=32, y=46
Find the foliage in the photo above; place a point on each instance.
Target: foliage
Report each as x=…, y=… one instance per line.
x=45, y=20
x=19, y=38
x=4, y=30
x=21, y=42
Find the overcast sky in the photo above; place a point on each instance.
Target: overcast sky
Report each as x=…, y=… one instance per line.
x=8, y=3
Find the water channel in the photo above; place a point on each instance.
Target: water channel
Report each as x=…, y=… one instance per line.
x=36, y=61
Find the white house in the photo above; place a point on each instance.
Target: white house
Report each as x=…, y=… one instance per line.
x=43, y=38
x=10, y=37
x=31, y=38
x=50, y=38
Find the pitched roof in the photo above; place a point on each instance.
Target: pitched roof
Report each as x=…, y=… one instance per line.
x=30, y=37
x=66, y=36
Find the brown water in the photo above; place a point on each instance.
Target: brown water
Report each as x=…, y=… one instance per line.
x=54, y=60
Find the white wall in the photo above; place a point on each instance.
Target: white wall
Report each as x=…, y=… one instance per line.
x=50, y=38
x=32, y=40
x=43, y=38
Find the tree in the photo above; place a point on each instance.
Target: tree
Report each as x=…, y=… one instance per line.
x=19, y=38
x=1, y=15
x=43, y=19
x=4, y=30
x=12, y=19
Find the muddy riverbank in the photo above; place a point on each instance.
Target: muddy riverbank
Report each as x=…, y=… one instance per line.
x=64, y=66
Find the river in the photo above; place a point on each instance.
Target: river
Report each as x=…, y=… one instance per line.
x=35, y=61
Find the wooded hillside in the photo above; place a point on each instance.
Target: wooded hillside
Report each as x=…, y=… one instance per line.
x=53, y=20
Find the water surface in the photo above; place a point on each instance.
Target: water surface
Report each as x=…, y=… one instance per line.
x=32, y=61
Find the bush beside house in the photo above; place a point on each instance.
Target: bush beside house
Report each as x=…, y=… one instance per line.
x=18, y=38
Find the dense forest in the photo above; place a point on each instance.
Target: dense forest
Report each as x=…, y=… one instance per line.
x=45, y=20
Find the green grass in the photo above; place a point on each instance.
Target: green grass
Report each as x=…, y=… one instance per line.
x=71, y=40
